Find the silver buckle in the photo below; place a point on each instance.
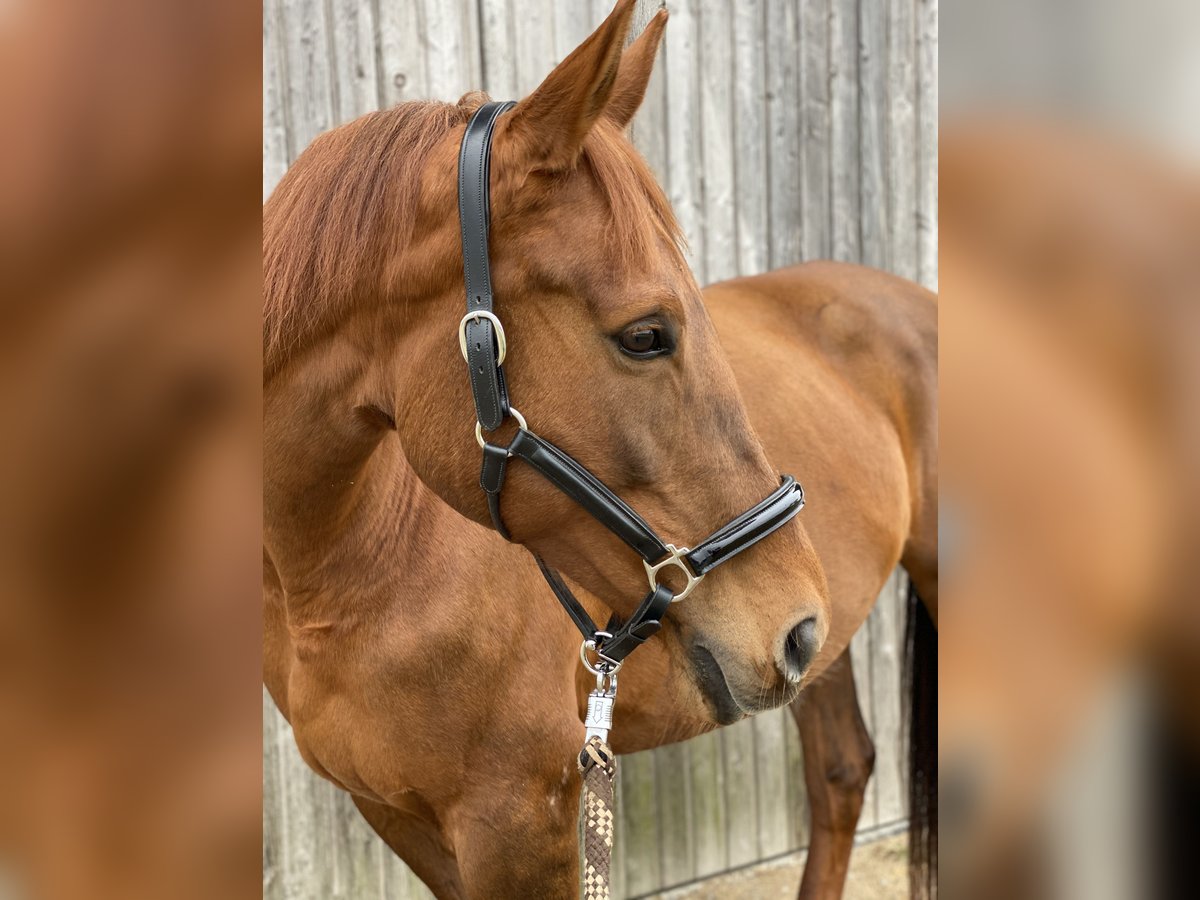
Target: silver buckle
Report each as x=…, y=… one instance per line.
x=501, y=341
x=675, y=559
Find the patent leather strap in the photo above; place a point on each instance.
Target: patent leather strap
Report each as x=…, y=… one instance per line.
x=749, y=528
x=589, y=492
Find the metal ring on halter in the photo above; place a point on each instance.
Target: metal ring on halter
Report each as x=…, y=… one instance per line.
x=516, y=414
x=605, y=667
x=675, y=559
x=501, y=341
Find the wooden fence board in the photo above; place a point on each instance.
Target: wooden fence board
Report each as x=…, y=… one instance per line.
x=782, y=130
x=874, y=244
x=815, y=104
x=775, y=811
x=709, y=817
x=275, y=120
x=886, y=626
x=308, y=98
x=639, y=816
x=927, y=141
x=860, y=661
x=676, y=829
x=901, y=158
x=781, y=154
x=352, y=46
x=685, y=164
x=713, y=59
x=741, y=793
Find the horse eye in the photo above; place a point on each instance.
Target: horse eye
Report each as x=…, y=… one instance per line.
x=643, y=340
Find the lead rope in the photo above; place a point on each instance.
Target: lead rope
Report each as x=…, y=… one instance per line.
x=598, y=766
x=598, y=771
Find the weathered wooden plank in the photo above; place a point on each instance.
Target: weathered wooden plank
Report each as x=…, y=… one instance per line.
x=498, y=49
x=816, y=145
x=274, y=833
x=639, y=814
x=533, y=43
x=649, y=129
x=843, y=130
x=719, y=192
x=305, y=864
x=401, y=51
x=275, y=125
x=860, y=661
x=779, y=155
x=797, y=791
x=902, y=161
x=874, y=245
x=707, y=790
x=675, y=821
x=774, y=797
x=356, y=851
x=886, y=626
x=685, y=164
x=352, y=42
x=308, y=95
x=453, y=60
x=741, y=793
x=927, y=142
x=572, y=24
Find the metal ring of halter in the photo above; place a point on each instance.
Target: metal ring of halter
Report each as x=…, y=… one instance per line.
x=484, y=346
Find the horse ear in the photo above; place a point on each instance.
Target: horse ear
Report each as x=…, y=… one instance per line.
x=549, y=125
x=634, y=74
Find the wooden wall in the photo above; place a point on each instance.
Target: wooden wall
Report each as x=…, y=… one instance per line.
x=782, y=130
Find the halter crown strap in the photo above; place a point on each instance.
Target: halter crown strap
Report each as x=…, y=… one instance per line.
x=482, y=336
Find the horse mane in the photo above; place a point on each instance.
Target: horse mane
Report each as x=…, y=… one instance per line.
x=352, y=196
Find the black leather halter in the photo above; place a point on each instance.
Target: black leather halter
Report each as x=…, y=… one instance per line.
x=483, y=344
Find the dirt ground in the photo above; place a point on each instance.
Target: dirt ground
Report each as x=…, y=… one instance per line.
x=878, y=871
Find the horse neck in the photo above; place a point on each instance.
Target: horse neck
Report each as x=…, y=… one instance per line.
x=341, y=507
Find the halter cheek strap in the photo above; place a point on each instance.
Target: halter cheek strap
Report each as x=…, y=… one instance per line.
x=484, y=346
x=481, y=336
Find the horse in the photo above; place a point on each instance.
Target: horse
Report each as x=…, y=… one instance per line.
x=421, y=661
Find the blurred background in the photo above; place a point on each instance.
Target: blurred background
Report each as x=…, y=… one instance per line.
x=1070, y=265
x=130, y=480
x=782, y=131
x=131, y=713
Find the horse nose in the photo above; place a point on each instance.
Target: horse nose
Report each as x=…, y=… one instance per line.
x=799, y=648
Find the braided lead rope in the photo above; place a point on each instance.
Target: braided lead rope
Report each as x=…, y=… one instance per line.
x=598, y=766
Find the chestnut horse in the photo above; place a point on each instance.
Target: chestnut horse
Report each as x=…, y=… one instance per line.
x=421, y=660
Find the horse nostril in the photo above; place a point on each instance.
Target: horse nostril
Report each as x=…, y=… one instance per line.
x=799, y=648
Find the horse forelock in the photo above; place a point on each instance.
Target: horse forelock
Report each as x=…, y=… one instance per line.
x=355, y=195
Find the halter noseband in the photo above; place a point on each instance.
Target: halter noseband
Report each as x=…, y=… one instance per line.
x=484, y=346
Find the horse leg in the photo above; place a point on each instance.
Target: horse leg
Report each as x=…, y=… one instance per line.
x=839, y=757
x=419, y=843
x=516, y=833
